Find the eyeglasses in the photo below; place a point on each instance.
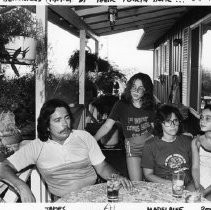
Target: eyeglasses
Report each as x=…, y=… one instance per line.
x=206, y=118
x=168, y=123
x=139, y=89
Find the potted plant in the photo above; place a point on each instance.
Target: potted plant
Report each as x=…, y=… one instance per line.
x=106, y=74
x=91, y=63
x=17, y=37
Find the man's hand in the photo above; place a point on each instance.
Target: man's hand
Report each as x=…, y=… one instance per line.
x=126, y=183
x=26, y=194
x=105, y=170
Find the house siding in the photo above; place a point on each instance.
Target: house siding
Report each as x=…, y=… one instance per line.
x=185, y=67
x=179, y=55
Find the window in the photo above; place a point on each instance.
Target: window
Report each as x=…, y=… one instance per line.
x=200, y=65
x=206, y=65
x=161, y=55
x=165, y=64
x=157, y=63
x=176, y=54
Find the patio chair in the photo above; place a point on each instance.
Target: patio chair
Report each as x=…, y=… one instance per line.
x=38, y=187
x=11, y=196
x=33, y=178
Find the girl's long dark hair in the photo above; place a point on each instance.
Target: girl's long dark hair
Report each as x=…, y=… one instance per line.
x=148, y=101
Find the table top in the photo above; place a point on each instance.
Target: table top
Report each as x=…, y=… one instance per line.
x=147, y=192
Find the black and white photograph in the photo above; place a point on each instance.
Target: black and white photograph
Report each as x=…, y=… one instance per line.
x=105, y=104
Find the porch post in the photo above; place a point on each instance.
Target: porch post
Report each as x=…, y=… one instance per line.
x=82, y=58
x=96, y=47
x=41, y=58
x=97, y=53
x=37, y=185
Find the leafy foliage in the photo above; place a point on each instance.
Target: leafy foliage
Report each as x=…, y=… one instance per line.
x=17, y=22
x=91, y=62
x=18, y=95
x=206, y=84
x=106, y=74
x=67, y=88
x=106, y=80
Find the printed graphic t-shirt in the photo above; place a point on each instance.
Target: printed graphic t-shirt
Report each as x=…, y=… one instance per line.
x=134, y=121
x=165, y=157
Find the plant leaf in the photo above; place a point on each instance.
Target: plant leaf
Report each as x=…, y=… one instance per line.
x=15, y=69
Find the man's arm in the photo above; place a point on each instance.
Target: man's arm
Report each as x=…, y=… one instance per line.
x=105, y=171
x=8, y=174
x=104, y=129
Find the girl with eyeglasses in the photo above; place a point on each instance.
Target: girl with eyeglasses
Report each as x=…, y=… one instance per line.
x=135, y=112
x=201, y=155
x=168, y=150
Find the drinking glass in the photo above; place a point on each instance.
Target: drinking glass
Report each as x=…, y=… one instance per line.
x=113, y=186
x=178, y=183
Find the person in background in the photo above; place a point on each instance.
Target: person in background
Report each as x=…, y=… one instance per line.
x=135, y=112
x=67, y=159
x=169, y=150
x=175, y=96
x=201, y=155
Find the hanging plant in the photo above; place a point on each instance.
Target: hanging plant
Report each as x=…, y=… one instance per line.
x=107, y=74
x=15, y=21
x=92, y=62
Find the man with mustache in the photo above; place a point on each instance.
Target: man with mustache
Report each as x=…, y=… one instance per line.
x=67, y=159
